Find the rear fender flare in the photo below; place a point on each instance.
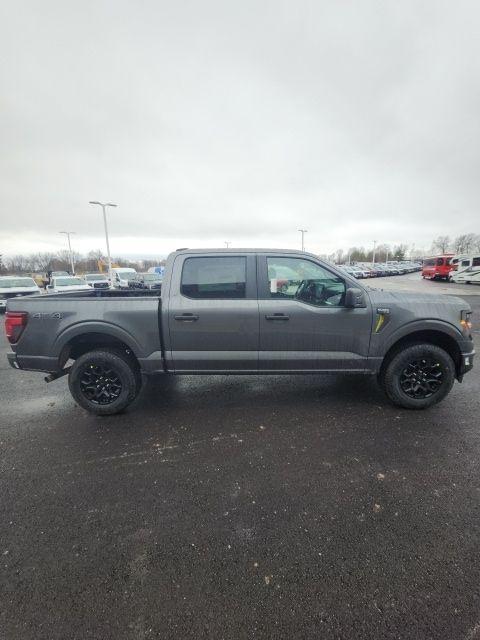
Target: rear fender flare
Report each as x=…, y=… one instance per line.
x=84, y=328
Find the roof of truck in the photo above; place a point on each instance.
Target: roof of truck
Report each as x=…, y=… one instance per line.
x=241, y=250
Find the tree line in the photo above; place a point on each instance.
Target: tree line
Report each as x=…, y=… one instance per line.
x=60, y=261
x=383, y=252
x=465, y=243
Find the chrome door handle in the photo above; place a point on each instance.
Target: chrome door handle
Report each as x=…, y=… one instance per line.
x=187, y=317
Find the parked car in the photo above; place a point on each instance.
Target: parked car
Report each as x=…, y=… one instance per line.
x=121, y=276
x=437, y=267
x=15, y=286
x=354, y=271
x=62, y=284
x=146, y=281
x=97, y=280
x=220, y=313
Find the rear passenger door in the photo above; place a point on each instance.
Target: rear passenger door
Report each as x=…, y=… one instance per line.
x=213, y=313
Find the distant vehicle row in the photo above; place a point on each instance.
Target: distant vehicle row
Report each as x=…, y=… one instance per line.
x=381, y=269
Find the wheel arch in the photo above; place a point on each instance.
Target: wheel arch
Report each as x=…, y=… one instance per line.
x=437, y=337
x=73, y=344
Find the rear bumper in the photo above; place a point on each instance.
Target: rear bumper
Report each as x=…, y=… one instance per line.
x=33, y=363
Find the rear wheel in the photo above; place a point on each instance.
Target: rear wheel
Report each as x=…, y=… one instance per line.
x=104, y=381
x=418, y=377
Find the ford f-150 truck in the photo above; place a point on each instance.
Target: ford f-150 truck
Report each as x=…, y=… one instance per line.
x=251, y=311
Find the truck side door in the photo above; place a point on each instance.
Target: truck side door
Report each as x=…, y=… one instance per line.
x=304, y=324
x=213, y=313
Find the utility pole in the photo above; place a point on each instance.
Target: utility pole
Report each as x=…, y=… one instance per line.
x=303, y=232
x=374, y=246
x=68, y=234
x=104, y=205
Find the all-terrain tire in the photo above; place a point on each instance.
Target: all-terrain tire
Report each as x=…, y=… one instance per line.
x=405, y=370
x=105, y=381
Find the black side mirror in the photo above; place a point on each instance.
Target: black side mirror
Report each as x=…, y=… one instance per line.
x=355, y=298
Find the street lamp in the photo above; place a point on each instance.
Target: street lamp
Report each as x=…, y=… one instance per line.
x=104, y=205
x=303, y=232
x=227, y=243
x=68, y=234
x=373, y=257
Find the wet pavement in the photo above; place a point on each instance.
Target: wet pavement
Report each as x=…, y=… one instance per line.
x=240, y=507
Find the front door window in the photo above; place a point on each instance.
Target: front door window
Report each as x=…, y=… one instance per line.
x=305, y=281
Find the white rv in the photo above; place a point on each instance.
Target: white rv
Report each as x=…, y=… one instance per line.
x=466, y=269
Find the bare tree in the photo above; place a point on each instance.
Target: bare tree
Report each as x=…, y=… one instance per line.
x=466, y=243
x=442, y=244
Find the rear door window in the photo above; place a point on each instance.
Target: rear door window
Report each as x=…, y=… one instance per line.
x=216, y=277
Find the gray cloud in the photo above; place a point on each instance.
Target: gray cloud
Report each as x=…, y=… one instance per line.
x=240, y=121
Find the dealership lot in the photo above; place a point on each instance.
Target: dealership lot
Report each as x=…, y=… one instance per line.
x=241, y=507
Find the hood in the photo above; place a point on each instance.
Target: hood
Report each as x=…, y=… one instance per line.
x=407, y=298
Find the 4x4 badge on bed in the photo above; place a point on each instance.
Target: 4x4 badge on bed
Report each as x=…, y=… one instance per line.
x=48, y=316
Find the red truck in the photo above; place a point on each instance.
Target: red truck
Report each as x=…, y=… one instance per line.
x=437, y=267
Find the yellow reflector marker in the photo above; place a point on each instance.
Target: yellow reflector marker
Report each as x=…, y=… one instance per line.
x=380, y=321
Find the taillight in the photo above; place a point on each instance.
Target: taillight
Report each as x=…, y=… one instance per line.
x=15, y=323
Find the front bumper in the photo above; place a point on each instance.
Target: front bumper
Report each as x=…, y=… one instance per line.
x=466, y=364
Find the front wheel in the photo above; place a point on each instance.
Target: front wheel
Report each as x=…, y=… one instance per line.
x=418, y=377
x=104, y=381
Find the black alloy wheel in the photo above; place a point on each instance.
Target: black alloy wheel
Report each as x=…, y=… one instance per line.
x=100, y=384
x=422, y=378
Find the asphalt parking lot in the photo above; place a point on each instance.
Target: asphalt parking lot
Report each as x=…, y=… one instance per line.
x=241, y=507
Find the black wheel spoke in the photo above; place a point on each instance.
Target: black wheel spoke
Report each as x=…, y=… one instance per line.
x=422, y=378
x=100, y=385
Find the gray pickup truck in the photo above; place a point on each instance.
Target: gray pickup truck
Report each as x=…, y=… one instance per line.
x=242, y=311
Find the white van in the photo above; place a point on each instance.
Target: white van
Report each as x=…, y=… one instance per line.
x=121, y=276
x=466, y=269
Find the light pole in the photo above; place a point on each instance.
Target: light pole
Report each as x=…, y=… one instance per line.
x=68, y=234
x=104, y=205
x=303, y=232
x=374, y=246
x=227, y=243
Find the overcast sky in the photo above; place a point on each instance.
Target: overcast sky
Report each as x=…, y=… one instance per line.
x=241, y=121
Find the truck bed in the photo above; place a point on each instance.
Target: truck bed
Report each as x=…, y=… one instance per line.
x=60, y=325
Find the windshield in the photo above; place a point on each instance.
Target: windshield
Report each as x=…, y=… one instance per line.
x=152, y=277
x=95, y=276
x=124, y=273
x=66, y=282
x=9, y=283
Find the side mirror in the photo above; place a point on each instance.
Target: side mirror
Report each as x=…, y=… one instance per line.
x=355, y=298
